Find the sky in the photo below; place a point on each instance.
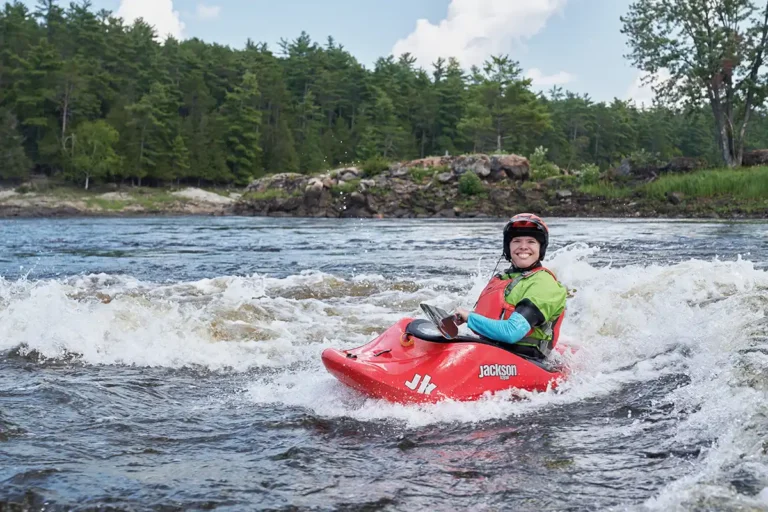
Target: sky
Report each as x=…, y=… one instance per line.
x=575, y=44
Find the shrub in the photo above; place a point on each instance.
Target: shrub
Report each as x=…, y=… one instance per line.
x=346, y=187
x=470, y=184
x=643, y=159
x=589, y=174
x=541, y=168
x=374, y=166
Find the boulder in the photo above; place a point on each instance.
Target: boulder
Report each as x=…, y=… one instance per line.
x=445, y=177
x=755, y=157
x=314, y=183
x=684, y=164
x=348, y=176
x=514, y=166
x=479, y=164
x=425, y=163
x=563, y=194
x=624, y=169
x=344, y=170
x=366, y=184
x=399, y=171
x=288, y=181
x=356, y=199
x=315, y=197
x=675, y=197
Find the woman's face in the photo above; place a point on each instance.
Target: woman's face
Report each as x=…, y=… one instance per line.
x=524, y=251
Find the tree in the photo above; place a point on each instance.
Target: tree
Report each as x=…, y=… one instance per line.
x=94, y=151
x=242, y=116
x=14, y=164
x=713, y=50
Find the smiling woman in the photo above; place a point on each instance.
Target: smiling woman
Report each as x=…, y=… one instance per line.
x=526, y=304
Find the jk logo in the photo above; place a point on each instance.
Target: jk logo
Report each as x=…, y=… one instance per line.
x=425, y=388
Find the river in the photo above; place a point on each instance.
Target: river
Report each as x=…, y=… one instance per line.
x=174, y=364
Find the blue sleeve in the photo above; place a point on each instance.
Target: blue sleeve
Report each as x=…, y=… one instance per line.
x=509, y=331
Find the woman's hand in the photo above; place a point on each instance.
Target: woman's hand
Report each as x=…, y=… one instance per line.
x=462, y=315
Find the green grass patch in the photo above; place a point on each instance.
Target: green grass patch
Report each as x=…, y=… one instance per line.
x=737, y=184
x=346, y=187
x=267, y=195
x=607, y=190
x=420, y=174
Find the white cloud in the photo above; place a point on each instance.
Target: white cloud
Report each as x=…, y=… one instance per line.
x=641, y=93
x=158, y=13
x=476, y=29
x=208, y=12
x=541, y=80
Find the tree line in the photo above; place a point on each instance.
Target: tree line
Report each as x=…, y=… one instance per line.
x=87, y=97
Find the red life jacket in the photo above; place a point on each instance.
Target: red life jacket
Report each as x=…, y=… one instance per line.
x=493, y=304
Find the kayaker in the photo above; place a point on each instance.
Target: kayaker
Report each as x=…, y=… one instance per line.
x=524, y=305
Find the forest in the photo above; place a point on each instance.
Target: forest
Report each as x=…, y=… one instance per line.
x=90, y=99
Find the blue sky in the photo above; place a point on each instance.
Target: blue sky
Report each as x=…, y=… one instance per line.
x=574, y=43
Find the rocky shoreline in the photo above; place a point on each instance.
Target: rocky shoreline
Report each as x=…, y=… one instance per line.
x=470, y=186
x=437, y=187
x=67, y=203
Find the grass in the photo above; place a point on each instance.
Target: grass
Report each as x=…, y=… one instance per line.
x=744, y=184
x=346, y=187
x=267, y=195
x=607, y=190
x=741, y=184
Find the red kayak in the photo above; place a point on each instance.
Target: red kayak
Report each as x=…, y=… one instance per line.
x=411, y=362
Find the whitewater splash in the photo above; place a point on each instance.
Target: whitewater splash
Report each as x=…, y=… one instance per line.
x=700, y=322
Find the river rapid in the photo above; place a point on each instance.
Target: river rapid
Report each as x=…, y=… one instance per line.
x=174, y=364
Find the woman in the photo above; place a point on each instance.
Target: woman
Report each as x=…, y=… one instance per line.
x=525, y=305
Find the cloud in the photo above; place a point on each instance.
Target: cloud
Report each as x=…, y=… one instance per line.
x=641, y=93
x=207, y=12
x=476, y=29
x=158, y=13
x=542, y=80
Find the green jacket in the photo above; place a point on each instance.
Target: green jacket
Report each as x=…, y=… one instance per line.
x=543, y=291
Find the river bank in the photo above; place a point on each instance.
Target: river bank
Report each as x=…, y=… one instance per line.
x=469, y=186
x=60, y=201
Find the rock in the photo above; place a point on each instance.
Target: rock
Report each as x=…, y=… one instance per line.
x=315, y=197
x=328, y=182
x=563, y=194
x=675, y=197
x=357, y=199
x=514, y=166
x=399, y=171
x=479, y=164
x=314, y=183
x=344, y=170
x=625, y=169
x=445, y=177
x=447, y=212
x=425, y=163
x=347, y=176
x=288, y=204
x=366, y=184
x=755, y=157
x=497, y=175
x=287, y=181
x=684, y=164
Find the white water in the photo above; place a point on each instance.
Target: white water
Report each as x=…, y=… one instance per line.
x=630, y=325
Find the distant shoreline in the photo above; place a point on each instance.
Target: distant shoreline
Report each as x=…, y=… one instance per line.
x=196, y=202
